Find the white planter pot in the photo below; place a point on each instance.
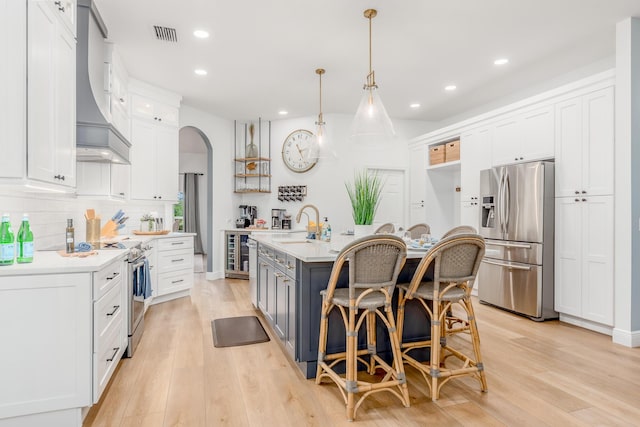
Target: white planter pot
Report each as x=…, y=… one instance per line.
x=363, y=230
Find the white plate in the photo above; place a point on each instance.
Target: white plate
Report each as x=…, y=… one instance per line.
x=424, y=249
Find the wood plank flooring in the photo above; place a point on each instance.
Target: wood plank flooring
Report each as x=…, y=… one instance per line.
x=539, y=374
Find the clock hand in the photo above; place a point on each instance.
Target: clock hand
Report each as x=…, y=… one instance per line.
x=300, y=151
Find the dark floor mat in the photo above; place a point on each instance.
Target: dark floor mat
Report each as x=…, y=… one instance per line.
x=235, y=331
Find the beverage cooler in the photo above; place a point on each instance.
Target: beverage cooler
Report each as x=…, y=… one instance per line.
x=237, y=254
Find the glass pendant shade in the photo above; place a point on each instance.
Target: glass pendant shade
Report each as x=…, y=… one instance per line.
x=322, y=143
x=371, y=123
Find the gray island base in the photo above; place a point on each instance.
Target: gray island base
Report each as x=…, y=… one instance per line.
x=287, y=288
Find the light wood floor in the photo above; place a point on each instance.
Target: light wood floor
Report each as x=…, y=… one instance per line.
x=538, y=374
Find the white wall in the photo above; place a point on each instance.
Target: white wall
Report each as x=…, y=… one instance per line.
x=326, y=180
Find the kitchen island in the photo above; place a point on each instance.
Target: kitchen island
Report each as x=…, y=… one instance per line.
x=291, y=274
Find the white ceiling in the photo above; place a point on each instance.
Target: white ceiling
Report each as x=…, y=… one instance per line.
x=262, y=55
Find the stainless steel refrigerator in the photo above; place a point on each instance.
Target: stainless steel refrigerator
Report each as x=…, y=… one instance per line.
x=517, y=222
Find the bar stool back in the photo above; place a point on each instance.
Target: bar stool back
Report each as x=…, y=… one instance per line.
x=374, y=264
x=456, y=261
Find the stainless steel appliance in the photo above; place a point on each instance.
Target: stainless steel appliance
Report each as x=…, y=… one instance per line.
x=248, y=215
x=517, y=221
x=277, y=215
x=135, y=323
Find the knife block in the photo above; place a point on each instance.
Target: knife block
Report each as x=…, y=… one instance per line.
x=109, y=229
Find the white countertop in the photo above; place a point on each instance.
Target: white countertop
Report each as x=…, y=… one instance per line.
x=313, y=251
x=51, y=262
x=266, y=230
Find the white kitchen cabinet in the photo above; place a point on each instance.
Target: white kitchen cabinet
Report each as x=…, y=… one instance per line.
x=584, y=145
x=45, y=364
x=116, y=82
x=475, y=155
x=51, y=95
x=150, y=109
x=110, y=312
x=108, y=180
x=174, y=267
x=524, y=137
x=584, y=282
x=417, y=183
x=154, y=161
x=13, y=81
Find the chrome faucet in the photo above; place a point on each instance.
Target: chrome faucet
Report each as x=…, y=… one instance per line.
x=317, y=218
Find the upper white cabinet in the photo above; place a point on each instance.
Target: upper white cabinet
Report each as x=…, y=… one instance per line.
x=147, y=108
x=475, y=155
x=584, y=145
x=524, y=137
x=116, y=82
x=154, y=143
x=109, y=180
x=51, y=89
x=13, y=81
x=417, y=182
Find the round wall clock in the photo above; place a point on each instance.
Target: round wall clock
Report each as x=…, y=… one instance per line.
x=297, y=151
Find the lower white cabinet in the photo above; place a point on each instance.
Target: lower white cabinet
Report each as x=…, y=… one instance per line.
x=174, y=265
x=109, y=323
x=584, y=282
x=45, y=364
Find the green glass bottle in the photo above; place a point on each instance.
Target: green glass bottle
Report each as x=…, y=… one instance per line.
x=7, y=242
x=24, y=241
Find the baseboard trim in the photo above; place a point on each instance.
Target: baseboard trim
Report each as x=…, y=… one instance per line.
x=214, y=275
x=626, y=338
x=587, y=324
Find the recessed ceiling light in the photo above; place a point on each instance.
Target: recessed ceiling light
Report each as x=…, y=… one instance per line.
x=200, y=72
x=501, y=61
x=415, y=105
x=201, y=34
x=450, y=88
x=283, y=113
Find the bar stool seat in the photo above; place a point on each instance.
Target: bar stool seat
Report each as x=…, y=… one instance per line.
x=374, y=263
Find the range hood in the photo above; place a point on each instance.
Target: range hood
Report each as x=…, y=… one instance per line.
x=97, y=140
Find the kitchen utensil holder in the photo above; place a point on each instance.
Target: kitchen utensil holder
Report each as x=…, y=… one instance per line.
x=292, y=193
x=93, y=232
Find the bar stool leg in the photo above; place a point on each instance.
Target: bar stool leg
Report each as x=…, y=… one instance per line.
x=322, y=345
x=435, y=348
x=475, y=339
x=398, y=363
x=371, y=340
x=351, y=362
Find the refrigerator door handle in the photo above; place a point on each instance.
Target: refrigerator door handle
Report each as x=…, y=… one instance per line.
x=511, y=266
x=510, y=245
x=507, y=202
x=500, y=204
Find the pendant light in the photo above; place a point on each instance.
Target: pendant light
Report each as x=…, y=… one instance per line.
x=321, y=146
x=371, y=124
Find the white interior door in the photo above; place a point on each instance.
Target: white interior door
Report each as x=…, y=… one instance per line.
x=393, y=201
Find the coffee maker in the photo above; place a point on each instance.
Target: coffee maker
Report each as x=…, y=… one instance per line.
x=277, y=215
x=248, y=215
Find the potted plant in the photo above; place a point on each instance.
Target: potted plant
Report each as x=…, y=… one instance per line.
x=364, y=194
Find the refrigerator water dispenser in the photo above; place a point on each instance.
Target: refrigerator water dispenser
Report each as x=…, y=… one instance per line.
x=488, y=212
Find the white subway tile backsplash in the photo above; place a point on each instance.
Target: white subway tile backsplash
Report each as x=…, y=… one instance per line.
x=48, y=214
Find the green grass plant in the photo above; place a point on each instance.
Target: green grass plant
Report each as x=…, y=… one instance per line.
x=364, y=194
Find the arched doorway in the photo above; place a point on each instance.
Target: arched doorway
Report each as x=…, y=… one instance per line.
x=196, y=156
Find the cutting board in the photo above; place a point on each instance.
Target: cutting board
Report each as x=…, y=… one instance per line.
x=77, y=254
x=150, y=233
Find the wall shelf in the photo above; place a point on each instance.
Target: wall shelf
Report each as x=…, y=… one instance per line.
x=252, y=157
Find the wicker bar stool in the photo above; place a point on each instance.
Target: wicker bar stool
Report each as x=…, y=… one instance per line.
x=456, y=261
x=418, y=230
x=374, y=264
x=460, y=229
x=386, y=228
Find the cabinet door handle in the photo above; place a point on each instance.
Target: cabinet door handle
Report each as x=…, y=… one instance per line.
x=576, y=200
x=177, y=260
x=584, y=200
x=114, y=276
x=577, y=192
x=115, y=308
x=177, y=281
x=177, y=243
x=278, y=275
x=113, y=356
x=584, y=192
x=263, y=264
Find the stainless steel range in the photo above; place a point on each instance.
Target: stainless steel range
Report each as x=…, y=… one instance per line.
x=138, y=287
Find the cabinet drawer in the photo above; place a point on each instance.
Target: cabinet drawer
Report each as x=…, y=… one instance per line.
x=107, y=278
x=280, y=259
x=290, y=266
x=107, y=313
x=175, y=281
x=265, y=251
x=106, y=358
x=177, y=243
x=175, y=260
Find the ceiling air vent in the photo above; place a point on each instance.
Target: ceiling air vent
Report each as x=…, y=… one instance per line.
x=165, y=34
